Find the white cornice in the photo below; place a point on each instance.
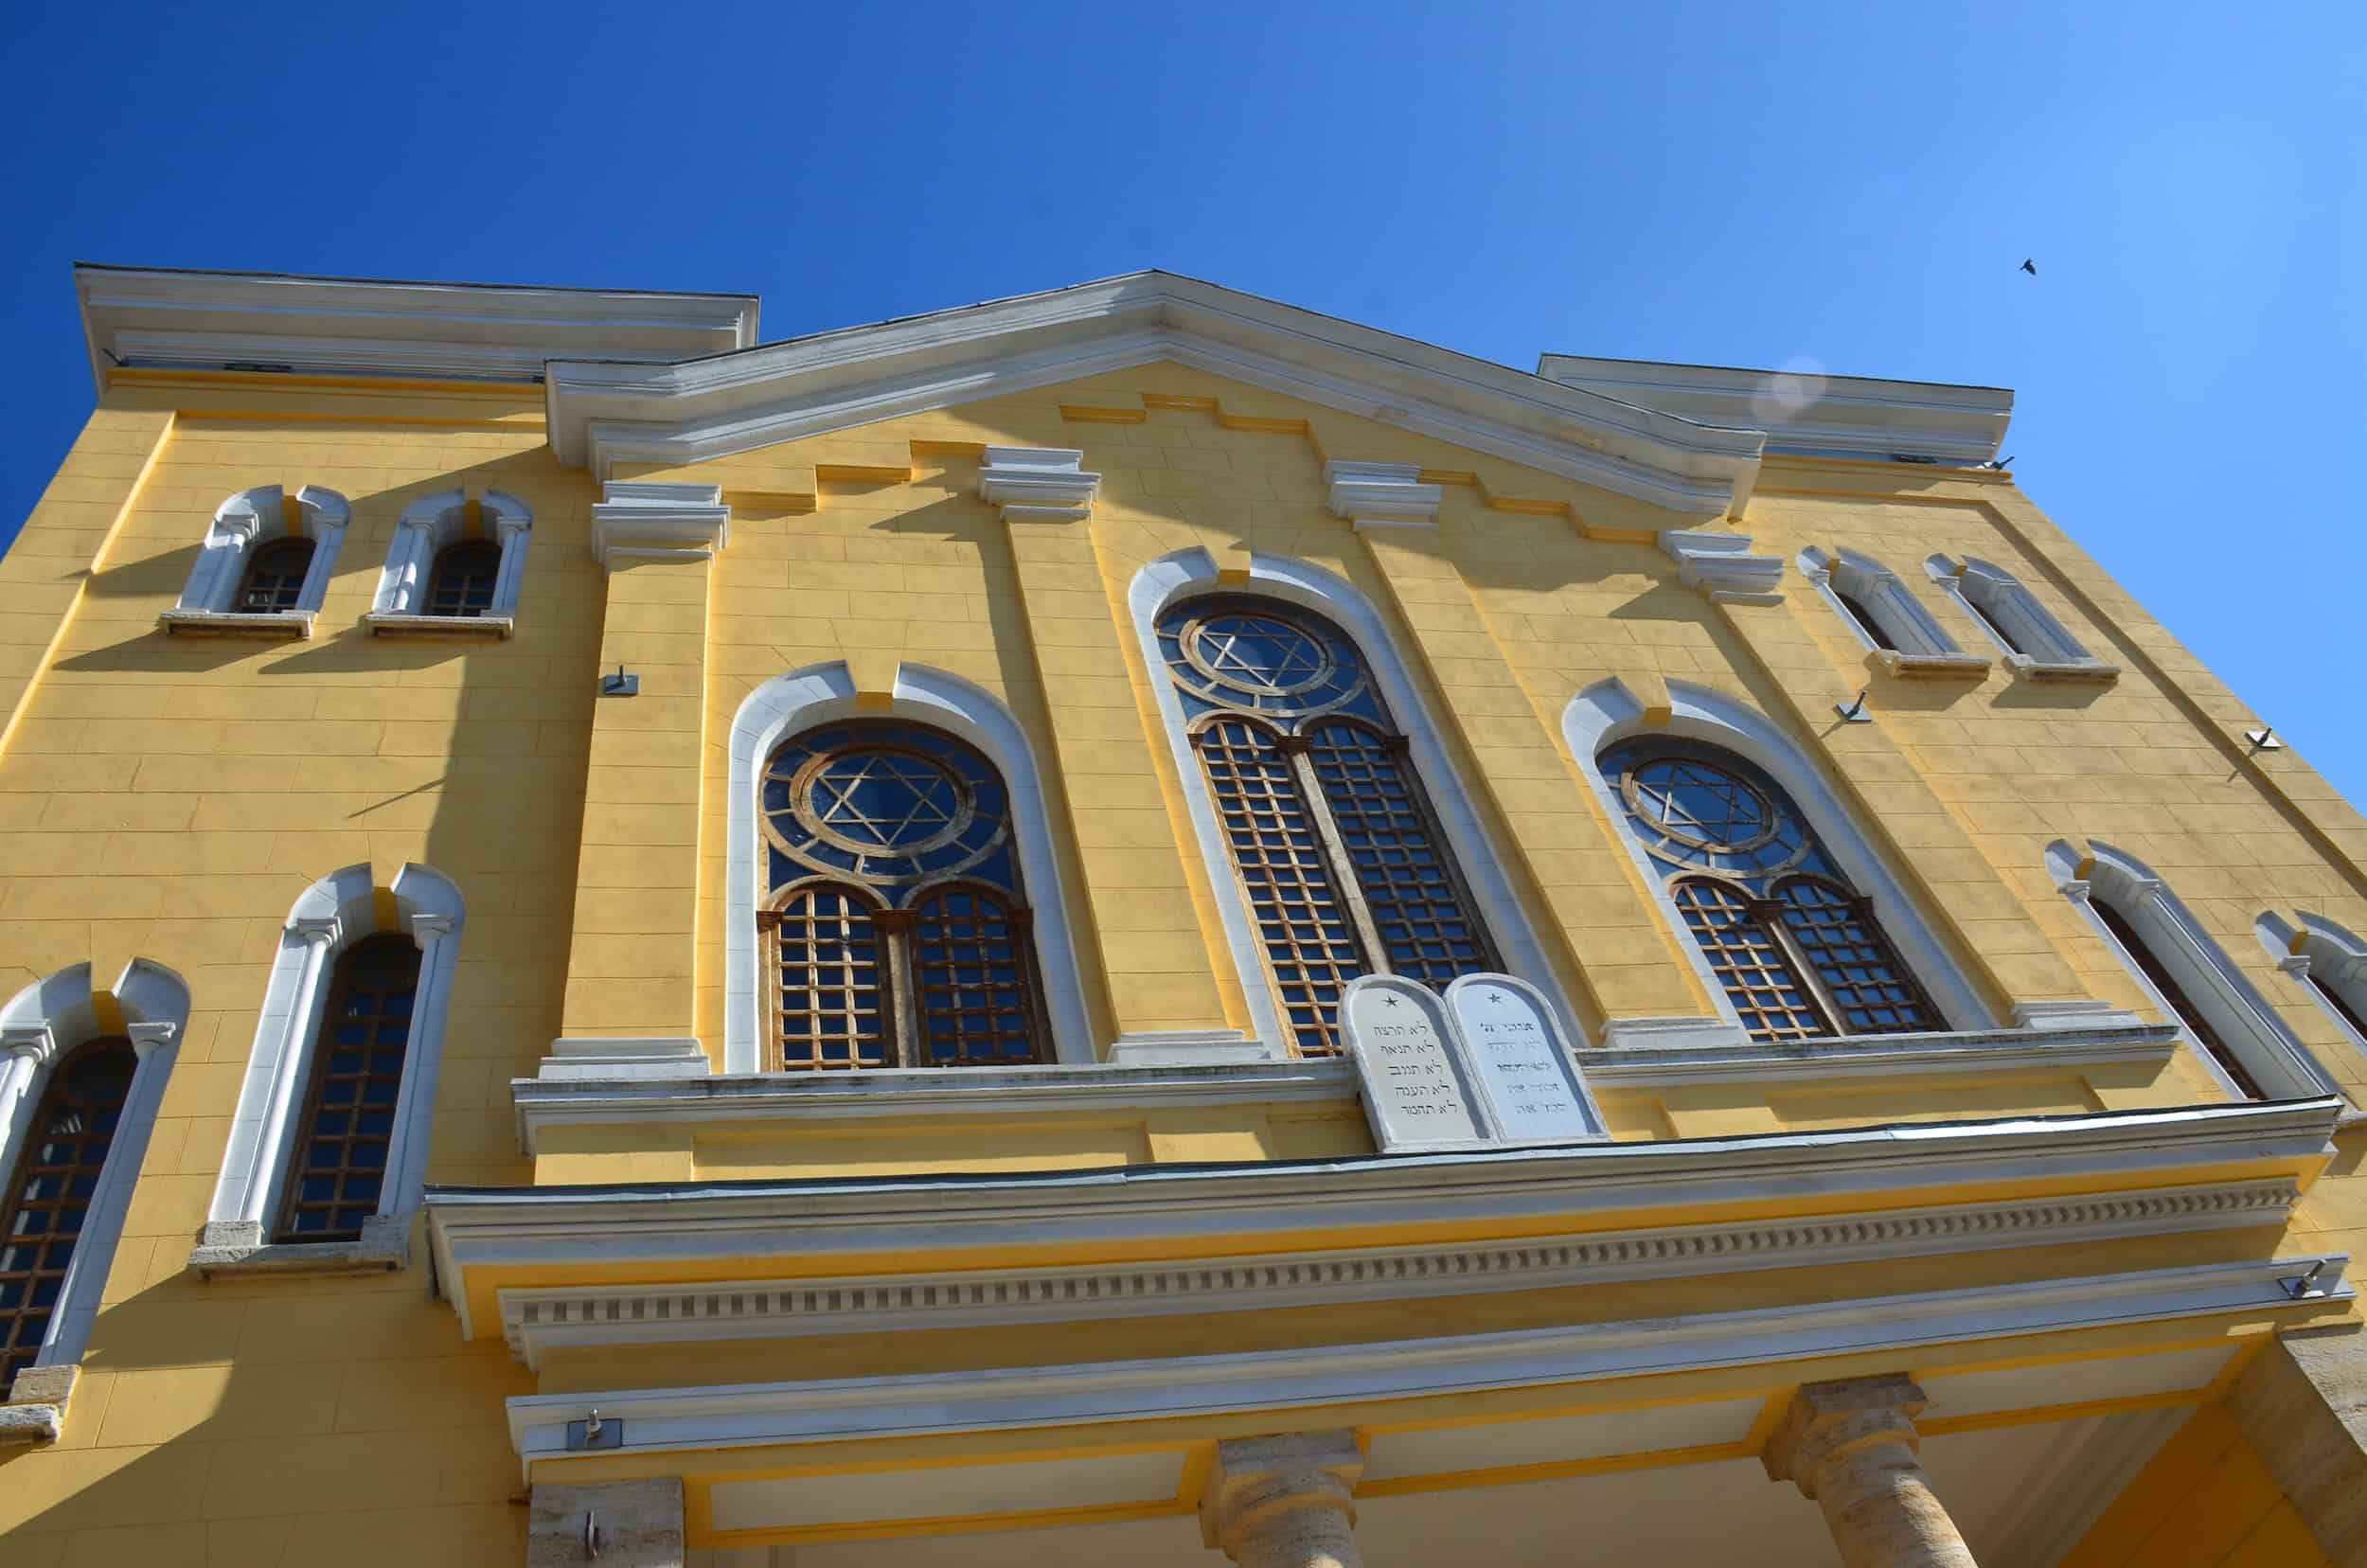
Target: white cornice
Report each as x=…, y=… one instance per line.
x=603, y=413
x=1381, y=494
x=1011, y=1399
x=1184, y=1211
x=538, y=1320
x=1826, y=415
x=638, y=519
x=1723, y=566
x=1038, y=482
x=210, y=321
x=574, y=1090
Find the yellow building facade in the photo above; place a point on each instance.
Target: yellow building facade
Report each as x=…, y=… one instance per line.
x=1133, y=924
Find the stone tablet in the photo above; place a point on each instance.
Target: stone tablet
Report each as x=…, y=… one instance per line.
x=1520, y=1061
x=1417, y=1093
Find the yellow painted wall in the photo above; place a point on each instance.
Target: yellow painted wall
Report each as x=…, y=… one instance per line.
x=2204, y=1500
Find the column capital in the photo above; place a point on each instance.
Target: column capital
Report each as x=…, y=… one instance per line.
x=32, y=1042
x=1382, y=495
x=1829, y=1421
x=1044, y=483
x=319, y=930
x=1265, y=1495
x=654, y=521
x=426, y=927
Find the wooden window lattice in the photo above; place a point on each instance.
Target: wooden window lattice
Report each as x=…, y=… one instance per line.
x=1760, y=977
x=830, y=1000
x=50, y=1191
x=971, y=980
x=1866, y=986
x=1407, y=882
x=274, y=577
x=346, y=1135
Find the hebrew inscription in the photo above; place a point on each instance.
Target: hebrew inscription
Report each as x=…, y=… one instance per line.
x=1521, y=1061
x=1418, y=1091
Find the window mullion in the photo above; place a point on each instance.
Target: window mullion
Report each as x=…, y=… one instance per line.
x=1294, y=750
x=1767, y=913
x=895, y=928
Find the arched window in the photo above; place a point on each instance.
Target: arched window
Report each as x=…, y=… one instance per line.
x=274, y=577
x=51, y=1189
x=1877, y=605
x=345, y=1134
x=2011, y=614
x=1798, y=950
x=462, y=584
x=1338, y=855
x=896, y=927
x=2141, y=959
x=1867, y=623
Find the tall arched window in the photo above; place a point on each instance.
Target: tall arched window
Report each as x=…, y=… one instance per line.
x=50, y=1191
x=2142, y=959
x=346, y=1131
x=1339, y=859
x=896, y=927
x=1798, y=950
x=463, y=581
x=274, y=577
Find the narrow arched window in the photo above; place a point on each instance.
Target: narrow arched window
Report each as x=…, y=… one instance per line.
x=1797, y=948
x=274, y=577
x=346, y=1133
x=1333, y=838
x=50, y=1191
x=2174, y=995
x=463, y=580
x=1867, y=621
x=896, y=927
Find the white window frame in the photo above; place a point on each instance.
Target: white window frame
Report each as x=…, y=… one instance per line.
x=334, y=912
x=1915, y=631
x=2003, y=607
x=2320, y=956
x=426, y=527
x=1192, y=573
x=247, y=521
x=2246, y=1023
x=820, y=694
x=1607, y=713
x=41, y=1026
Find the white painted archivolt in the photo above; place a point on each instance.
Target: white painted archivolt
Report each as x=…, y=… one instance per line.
x=1190, y=573
x=2032, y=638
x=1607, y=713
x=2328, y=961
x=41, y=1026
x=434, y=523
x=245, y=524
x=334, y=912
x=1843, y=578
x=819, y=694
x=2246, y=1024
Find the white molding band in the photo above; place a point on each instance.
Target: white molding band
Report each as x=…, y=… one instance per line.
x=428, y=527
x=1723, y=566
x=1004, y=1400
x=1182, y=1211
x=147, y=317
x=538, y=1320
x=602, y=414
x=1190, y=573
x=1607, y=713
x=640, y=519
x=330, y=916
x=1047, y=483
x=251, y=518
x=596, y=1082
x=1382, y=495
x=2246, y=1023
x=41, y=1025
x=821, y=693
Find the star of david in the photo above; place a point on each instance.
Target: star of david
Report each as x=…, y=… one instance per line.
x=1716, y=806
x=1260, y=652
x=881, y=798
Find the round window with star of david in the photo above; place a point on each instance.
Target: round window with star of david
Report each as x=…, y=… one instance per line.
x=1693, y=809
x=887, y=803
x=1251, y=655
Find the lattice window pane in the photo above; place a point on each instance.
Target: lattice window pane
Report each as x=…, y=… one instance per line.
x=346, y=1134
x=274, y=577
x=49, y=1197
x=1767, y=990
x=830, y=976
x=971, y=975
x=1869, y=987
x=462, y=584
x=1425, y=928
x=1310, y=945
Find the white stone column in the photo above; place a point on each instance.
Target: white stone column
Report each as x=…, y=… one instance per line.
x=316, y=935
x=27, y=1048
x=1284, y=1501
x=514, y=534
x=214, y=583
x=406, y=1158
x=414, y=552
x=1851, y=1446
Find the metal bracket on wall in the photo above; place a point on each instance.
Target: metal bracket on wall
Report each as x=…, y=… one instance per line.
x=620, y=684
x=594, y=1433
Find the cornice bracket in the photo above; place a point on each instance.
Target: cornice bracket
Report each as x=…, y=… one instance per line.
x=1038, y=483
x=636, y=520
x=1723, y=566
x=1382, y=496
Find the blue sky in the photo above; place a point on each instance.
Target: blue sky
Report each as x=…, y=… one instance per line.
x=1732, y=184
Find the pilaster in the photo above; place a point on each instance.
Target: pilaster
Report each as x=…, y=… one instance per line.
x=1156, y=959
x=631, y=967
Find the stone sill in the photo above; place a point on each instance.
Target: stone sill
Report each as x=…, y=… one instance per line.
x=236, y=1250
x=21, y=1424
x=37, y=1399
x=276, y=625
x=1933, y=667
x=2087, y=671
x=386, y=623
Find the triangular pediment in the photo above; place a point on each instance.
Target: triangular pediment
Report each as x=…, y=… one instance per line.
x=604, y=414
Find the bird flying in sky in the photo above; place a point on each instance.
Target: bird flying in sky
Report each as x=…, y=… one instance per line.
x=2029, y=266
